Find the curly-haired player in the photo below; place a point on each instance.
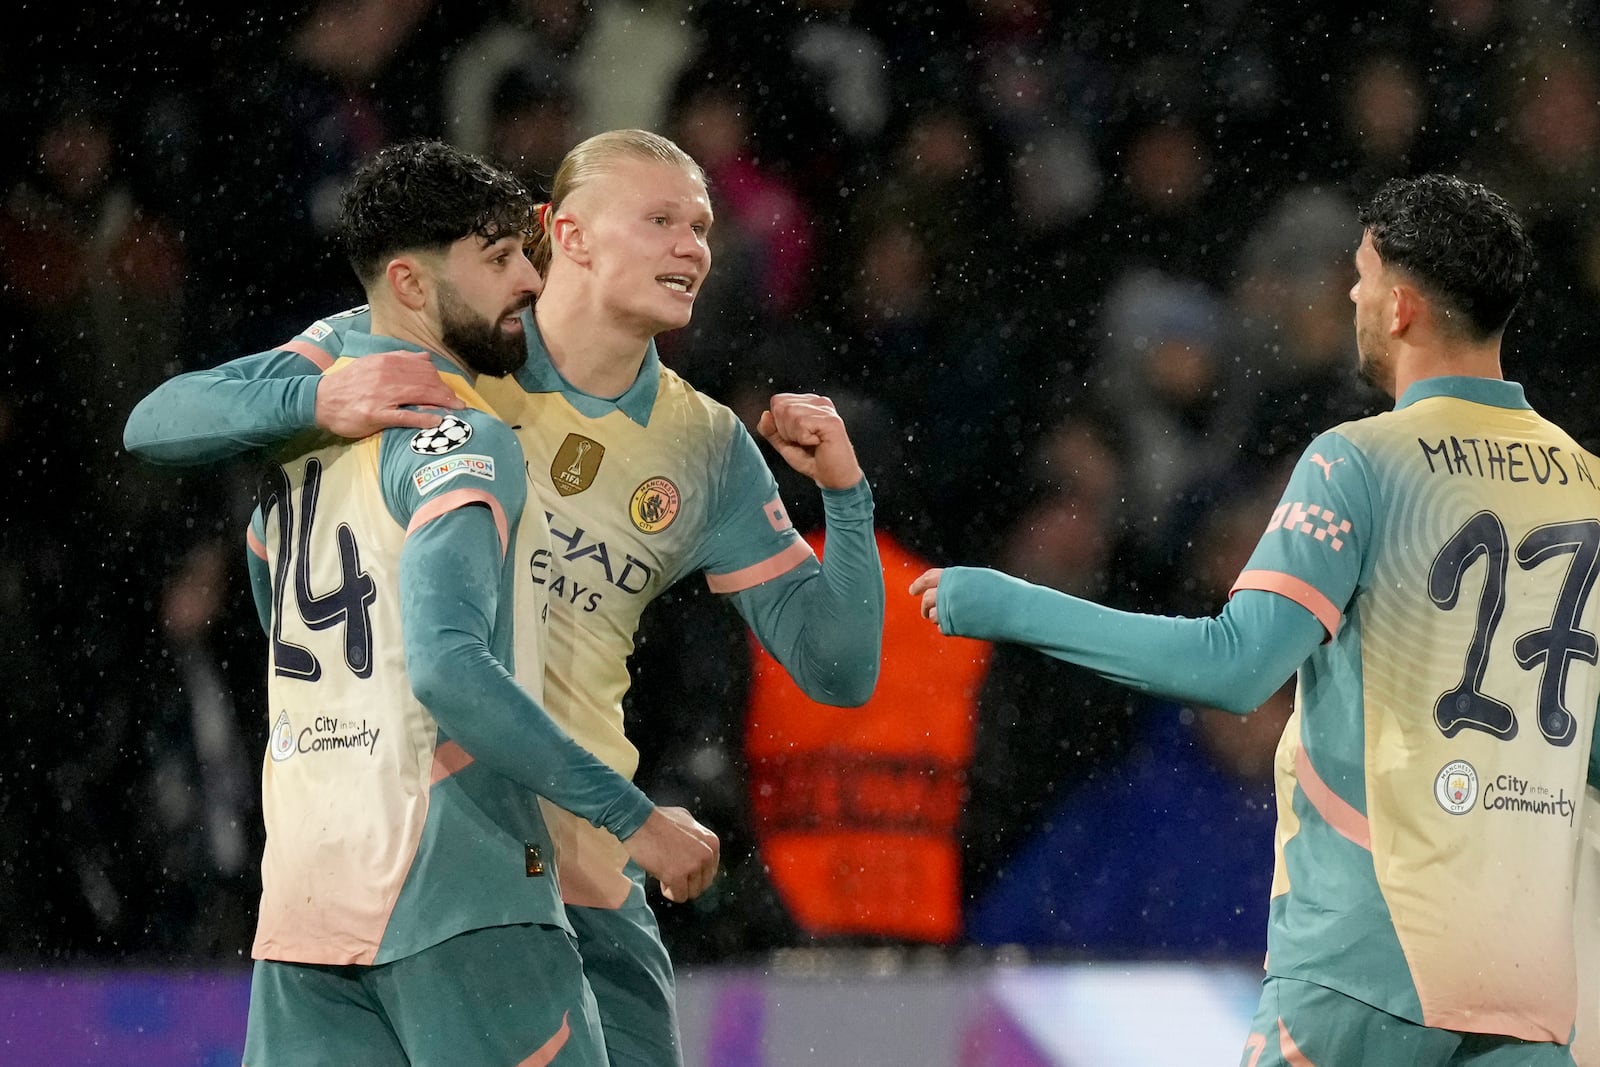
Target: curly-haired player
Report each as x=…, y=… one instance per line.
x=645, y=480
x=410, y=912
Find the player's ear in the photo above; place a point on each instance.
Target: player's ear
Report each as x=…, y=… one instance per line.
x=573, y=238
x=407, y=280
x=1408, y=305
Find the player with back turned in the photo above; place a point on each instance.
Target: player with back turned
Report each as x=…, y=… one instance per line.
x=1430, y=573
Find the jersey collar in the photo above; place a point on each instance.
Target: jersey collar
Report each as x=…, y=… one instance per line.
x=1491, y=391
x=358, y=343
x=539, y=375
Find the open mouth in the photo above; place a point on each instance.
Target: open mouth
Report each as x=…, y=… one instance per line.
x=512, y=322
x=678, y=283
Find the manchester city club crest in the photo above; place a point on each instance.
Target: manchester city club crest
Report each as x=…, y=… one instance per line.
x=654, y=505
x=448, y=436
x=1456, y=787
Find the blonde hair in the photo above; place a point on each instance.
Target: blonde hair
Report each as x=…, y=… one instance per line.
x=594, y=156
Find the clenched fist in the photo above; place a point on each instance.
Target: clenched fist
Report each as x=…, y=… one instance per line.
x=680, y=853
x=810, y=436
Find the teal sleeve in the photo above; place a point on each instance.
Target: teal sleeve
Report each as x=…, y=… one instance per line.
x=209, y=415
x=450, y=575
x=749, y=523
x=1322, y=529
x=260, y=574
x=824, y=622
x=1234, y=661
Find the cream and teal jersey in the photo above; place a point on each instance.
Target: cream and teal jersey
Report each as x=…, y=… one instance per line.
x=639, y=490
x=391, y=825
x=1430, y=574
x=1429, y=783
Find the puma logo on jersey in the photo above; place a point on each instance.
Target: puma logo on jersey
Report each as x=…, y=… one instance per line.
x=1326, y=465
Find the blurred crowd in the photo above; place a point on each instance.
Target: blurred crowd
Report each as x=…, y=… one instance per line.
x=1078, y=279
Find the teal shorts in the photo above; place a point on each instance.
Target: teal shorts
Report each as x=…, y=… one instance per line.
x=501, y=995
x=631, y=975
x=1302, y=1024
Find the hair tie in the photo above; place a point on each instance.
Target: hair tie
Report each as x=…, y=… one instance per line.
x=544, y=216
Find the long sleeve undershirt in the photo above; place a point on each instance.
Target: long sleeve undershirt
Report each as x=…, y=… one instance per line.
x=209, y=415
x=825, y=623
x=449, y=587
x=1233, y=661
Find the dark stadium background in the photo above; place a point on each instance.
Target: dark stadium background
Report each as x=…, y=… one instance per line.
x=1075, y=272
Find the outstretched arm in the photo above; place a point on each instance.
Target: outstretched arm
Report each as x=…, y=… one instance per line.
x=1234, y=661
x=209, y=415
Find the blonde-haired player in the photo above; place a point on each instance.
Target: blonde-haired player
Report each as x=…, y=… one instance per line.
x=645, y=480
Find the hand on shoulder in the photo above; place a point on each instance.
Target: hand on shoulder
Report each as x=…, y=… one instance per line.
x=377, y=392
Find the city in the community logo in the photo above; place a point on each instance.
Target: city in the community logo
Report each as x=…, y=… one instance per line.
x=282, y=742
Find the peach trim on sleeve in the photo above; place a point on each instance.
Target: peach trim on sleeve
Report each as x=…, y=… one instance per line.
x=317, y=355
x=545, y=1054
x=766, y=570
x=256, y=546
x=1291, y=1051
x=1298, y=590
x=449, y=758
x=1336, y=811
x=460, y=498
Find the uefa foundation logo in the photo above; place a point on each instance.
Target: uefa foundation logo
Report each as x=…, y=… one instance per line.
x=1456, y=788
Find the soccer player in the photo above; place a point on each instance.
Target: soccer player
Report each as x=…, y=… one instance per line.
x=644, y=481
x=1430, y=572
x=407, y=867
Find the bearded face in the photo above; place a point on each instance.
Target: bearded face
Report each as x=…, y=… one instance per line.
x=1372, y=350
x=487, y=345
x=1372, y=339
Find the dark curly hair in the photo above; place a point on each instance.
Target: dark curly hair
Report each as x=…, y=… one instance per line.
x=426, y=195
x=1461, y=243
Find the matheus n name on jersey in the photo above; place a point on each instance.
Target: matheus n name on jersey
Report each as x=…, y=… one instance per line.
x=1510, y=461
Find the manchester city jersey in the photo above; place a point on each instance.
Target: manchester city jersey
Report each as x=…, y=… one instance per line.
x=383, y=836
x=639, y=491
x=1428, y=785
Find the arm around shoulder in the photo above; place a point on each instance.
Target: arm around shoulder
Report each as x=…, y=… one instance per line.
x=209, y=415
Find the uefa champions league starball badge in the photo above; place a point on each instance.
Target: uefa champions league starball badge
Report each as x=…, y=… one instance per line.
x=448, y=436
